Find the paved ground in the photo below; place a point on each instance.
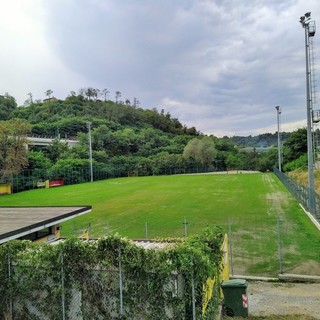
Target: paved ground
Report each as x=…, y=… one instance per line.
x=269, y=298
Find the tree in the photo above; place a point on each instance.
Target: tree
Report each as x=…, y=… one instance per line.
x=7, y=106
x=207, y=151
x=118, y=95
x=92, y=93
x=136, y=102
x=30, y=97
x=13, y=152
x=105, y=92
x=29, y=101
x=82, y=92
x=48, y=93
x=101, y=137
x=79, y=168
x=192, y=131
x=202, y=151
x=296, y=145
x=96, y=93
x=56, y=150
x=37, y=160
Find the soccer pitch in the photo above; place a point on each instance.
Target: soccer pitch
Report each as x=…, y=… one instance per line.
x=126, y=204
x=255, y=209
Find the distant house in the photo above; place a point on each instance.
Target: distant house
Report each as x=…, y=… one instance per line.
x=36, y=223
x=51, y=99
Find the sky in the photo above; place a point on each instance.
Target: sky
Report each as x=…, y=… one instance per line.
x=221, y=66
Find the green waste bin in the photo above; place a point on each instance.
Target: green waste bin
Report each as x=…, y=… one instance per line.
x=235, y=298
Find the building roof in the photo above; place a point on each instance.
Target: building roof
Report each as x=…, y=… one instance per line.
x=153, y=244
x=16, y=222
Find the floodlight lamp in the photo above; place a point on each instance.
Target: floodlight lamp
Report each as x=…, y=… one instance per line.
x=302, y=21
x=308, y=14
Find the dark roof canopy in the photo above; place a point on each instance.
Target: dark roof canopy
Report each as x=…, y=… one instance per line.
x=16, y=222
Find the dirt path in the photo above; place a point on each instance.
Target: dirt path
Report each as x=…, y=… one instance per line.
x=269, y=298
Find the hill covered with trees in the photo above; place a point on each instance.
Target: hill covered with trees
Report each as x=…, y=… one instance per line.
x=127, y=139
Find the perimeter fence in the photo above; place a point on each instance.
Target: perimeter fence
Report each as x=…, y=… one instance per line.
x=258, y=247
x=300, y=192
x=33, y=179
x=103, y=280
x=265, y=246
x=56, y=292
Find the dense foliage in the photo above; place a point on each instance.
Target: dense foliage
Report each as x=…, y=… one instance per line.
x=7, y=106
x=12, y=147
x=84, y=276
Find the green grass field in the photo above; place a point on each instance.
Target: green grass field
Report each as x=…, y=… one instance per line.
x=246, y=204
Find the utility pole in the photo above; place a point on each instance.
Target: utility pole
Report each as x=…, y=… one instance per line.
x=279, y=142
x=310, y=29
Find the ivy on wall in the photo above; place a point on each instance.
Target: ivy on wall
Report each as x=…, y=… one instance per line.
x=111, y=278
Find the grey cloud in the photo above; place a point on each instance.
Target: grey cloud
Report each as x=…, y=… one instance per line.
x=220, y=65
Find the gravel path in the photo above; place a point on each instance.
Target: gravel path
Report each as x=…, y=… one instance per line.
x=269, y=298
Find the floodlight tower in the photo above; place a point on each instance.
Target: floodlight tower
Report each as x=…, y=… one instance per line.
x=310, y=30
x=279, y=142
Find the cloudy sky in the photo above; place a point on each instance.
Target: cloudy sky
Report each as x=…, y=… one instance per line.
x=219, y=65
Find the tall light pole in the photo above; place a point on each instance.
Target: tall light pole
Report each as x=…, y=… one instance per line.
x=90, y=150
x=279, y=142
x=309, y=27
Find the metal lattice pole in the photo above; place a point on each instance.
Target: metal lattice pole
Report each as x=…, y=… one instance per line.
x=279, y=142
x=305, y=22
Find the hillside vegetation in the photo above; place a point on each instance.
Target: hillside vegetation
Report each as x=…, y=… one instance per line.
x=301, y=177
x=124, y=138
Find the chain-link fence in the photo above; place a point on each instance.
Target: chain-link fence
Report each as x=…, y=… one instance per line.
x=300, y=192
x=33, y=179
x=259, y=246
x=55, y=292
x=271, y=246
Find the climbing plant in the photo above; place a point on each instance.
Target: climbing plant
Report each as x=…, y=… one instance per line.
x=110, y=278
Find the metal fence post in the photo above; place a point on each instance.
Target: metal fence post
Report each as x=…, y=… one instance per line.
x=108, y=229
x=193, y=292
x=185, y=227
x=230, y=245
x=10, y=295
x=146, y=225
x=279, y=245
x=120, y=284
x=63, y=311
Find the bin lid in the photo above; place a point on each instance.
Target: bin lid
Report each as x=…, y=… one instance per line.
x=234, y=283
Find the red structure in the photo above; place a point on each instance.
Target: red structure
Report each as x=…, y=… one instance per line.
x=56, y=183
